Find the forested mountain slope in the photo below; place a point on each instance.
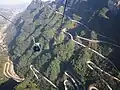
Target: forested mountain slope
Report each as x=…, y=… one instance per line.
x=89, y=19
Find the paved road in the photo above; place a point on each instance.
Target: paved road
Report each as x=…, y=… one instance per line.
x=34, y=70
x=84, y=45
x=92, y=68
x=65, y=31
x=98, y=41
x=75, y=83
x=65, y=84
x=92, y=65
x=91, y=87
x=78, y=22
x=9, y=72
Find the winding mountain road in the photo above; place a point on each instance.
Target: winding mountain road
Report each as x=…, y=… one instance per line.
x=92, y=66
x=91, y=87
x=97, y=41
x=33, y=69
x=65, y=84
x=99, y=54
x=78, y=22
x=64, y=30
x=90, y=62
x=9, y=72
x=68, y=75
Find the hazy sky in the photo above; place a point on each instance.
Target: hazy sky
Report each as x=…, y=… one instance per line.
x=16, y=1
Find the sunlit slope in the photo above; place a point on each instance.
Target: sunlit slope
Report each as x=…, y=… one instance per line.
x=59, y=51
x=3, y=59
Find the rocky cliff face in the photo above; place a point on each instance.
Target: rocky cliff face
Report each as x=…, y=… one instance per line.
x=90, y=19
x=4, y=24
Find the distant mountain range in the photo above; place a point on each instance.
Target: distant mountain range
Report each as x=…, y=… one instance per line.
x=9, y=10
x=16, y=6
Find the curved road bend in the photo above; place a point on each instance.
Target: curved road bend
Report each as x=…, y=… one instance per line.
x=65, y=84
x=84, y=45
x=68, y=75
x=4, y=70
x=9, y=72
x=97, y=41
x=64, y=30
x=91, y=87
x=35, y=70
x=90, y=62
x=78, y=22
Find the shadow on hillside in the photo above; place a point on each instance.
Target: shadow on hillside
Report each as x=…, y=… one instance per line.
x=8, y=85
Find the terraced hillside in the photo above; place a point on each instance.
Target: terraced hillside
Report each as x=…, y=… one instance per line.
x=63, y=49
